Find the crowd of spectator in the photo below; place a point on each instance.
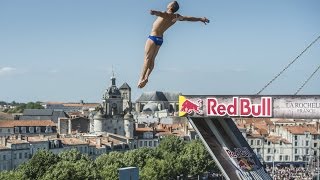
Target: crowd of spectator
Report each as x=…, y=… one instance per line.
x=290, y=173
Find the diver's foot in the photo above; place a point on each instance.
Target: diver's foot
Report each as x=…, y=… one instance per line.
x=142, y=83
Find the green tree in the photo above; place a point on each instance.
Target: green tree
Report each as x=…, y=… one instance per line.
x=32, y=105
x=79, y=169
x=108, y=164
x=196, y=158
x=37, y=166
x=138, y=157
x=159, y=169
x=73, y=155
x=165, y=164
x=171, y=144
x=8, y=175
x=20, y=107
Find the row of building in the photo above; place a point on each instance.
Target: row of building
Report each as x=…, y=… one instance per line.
x=283, y=141
x=116, y=124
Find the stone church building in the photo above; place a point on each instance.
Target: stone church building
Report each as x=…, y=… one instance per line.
x=114, y=114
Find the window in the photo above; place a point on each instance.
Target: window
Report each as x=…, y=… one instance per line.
x=9, y=130
x=145, y=143
x=16, y=129
x=287, y=158
x=295, y=143
x=0, y=130
x=307, y=151
x=4, y=157
x=296, y=151
x=269, y=150
x=38, y=129
x=296, y=158
x=268, y=158
x=280, y=157
x=307, y=143
x=251, y=142
x=31, y=129
x=295, y=137
x=23, y=129
x=26, y=155
x=258, y=142
x=140, y=144
x=314, y=144
x=14, y=156
x=258, y=150
x=48, y=129
x=20, y=155
x=150, y=143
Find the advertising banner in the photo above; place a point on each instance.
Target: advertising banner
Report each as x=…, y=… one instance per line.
x=273, y=106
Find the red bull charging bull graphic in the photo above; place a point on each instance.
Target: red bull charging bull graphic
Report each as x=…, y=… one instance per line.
x=190, y=107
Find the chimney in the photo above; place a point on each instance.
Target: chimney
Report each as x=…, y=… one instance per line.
x=98, y=142
x=5, y=141
x=2, y=140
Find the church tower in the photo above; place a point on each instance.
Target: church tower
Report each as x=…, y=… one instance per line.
x=125, y=91
x=99, y=120
x=112, y=101
x=128, y=123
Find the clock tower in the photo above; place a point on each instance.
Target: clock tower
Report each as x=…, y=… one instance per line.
x=112, y=100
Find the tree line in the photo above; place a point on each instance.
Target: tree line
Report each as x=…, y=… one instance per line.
x=20, y=107
x=173, y=157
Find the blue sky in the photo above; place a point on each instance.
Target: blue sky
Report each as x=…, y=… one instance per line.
x=65, y=50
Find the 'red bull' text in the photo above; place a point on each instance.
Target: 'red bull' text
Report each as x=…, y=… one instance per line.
x=240, y=107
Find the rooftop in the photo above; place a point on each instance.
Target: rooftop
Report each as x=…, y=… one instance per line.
x=27, y=123
x=73, y=141
x=302, y=129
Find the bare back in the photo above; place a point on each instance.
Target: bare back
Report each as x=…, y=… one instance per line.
x=162, y=23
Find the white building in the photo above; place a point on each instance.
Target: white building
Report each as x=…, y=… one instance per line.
x=283, y=141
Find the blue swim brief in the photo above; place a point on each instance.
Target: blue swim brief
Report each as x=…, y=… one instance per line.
x=156, y=39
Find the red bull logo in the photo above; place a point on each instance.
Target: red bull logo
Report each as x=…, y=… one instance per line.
x=189, y=107
x=246, y=164
x=240, y=107
x=242, y=158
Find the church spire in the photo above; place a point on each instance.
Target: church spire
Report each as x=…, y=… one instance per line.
x=113, y=78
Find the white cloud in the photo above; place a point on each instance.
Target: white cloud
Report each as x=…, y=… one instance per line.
x=7, y=70
x=54, y=71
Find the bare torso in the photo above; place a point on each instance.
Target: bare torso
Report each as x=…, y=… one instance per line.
x=161, y=24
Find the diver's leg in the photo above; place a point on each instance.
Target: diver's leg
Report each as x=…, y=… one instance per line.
x=149, y=51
